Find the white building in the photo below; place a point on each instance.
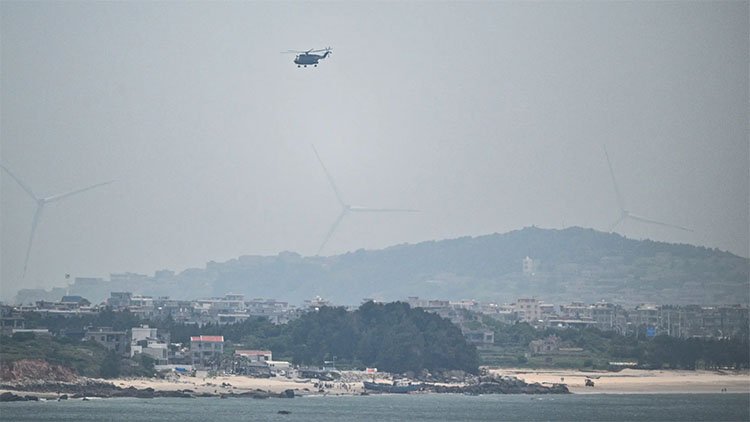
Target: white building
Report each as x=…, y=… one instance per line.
x=146, y=340
x=528, y=310
x=255, y=355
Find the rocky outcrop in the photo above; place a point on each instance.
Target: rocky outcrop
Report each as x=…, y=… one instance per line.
x=499, y=385
x=81, y=387
x=34, y=369
x=7, y=396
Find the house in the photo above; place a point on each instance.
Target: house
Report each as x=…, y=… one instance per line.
x=570, y=323
x=548, y=345
x=206, y=351
x=255, y=355
x=142, y=306
x=255, y=363
x=646, y=314
x=479, y=336
x=116, y=341
x=10, y=319
x=528, y=310
x=33, y=331
x=146, y=340
x=225, y=319
x=74, y=301
x=119, y=300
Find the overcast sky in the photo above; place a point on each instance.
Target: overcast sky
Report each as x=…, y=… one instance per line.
x=488, y=117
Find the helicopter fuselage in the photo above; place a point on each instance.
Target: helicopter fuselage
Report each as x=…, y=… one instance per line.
x=309, y=59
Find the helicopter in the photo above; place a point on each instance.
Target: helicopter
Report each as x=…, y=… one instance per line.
x=305, y=58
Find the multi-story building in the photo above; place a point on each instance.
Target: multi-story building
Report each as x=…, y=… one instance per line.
x=149, y=341
x=316, y=303
x=724, y=321
x=645, y=315
x=10, y=319
x=528, y=310
x=206, y=351
x=551, y=344
x=575, y=310
x=178, y=310
x=114, y=340
x=547, y=310
x=605, y=316
x=119, y=300
x=72, y=306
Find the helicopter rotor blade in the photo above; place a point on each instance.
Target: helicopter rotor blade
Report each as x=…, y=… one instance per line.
x=312, y=50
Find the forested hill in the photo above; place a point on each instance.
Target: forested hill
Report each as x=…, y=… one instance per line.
x=570, y=264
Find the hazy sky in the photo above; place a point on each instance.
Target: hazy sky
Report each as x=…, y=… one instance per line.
x=487, y=116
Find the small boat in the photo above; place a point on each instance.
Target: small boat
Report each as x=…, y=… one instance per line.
x=391, y=388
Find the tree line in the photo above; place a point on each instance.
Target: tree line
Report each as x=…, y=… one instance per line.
x=657, y=352
x=393, y=337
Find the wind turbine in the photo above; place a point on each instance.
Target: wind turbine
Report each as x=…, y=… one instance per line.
x=624, y=213
x=346, y=208
x=40, y=204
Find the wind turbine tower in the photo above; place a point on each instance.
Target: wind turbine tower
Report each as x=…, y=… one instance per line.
x=346, y=208
x=624, y=213
x=40, y=204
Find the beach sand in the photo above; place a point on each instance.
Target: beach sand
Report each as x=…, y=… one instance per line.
x=238, y=384
x=627, y=381
x=637, y=381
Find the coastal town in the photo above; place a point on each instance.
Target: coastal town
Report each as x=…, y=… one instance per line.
x=207, y=352
x=212, y=365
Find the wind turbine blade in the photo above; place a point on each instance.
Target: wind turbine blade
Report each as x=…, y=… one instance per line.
x=615, y=224
x=330, y=179
x=74, y=192
x=34, y=224
x=365, y=209
x=20, y=183
x=332, y=229
x=659, y=223
x=620, y=202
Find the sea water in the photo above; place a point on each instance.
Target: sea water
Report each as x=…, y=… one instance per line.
x=414, y=407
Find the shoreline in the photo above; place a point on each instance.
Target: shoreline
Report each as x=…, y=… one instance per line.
x=627, y=381
x=637, y=381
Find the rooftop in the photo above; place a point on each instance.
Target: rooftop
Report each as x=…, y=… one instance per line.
x=209, y=339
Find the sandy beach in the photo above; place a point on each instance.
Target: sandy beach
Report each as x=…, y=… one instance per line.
x=627, y=381
x=237, y=384
x=637, y=381
x=223, y=385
